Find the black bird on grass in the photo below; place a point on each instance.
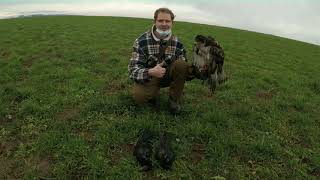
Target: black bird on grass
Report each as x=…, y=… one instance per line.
x=164, y=153
x=143, y=150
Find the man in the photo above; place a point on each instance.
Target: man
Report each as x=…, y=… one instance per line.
x=158, y=60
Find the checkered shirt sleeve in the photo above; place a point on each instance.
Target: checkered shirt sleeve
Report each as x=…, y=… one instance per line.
x=137, y=67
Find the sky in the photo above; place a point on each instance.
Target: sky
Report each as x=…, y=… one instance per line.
x=294, y=19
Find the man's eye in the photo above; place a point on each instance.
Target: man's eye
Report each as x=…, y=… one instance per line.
x=161, y=21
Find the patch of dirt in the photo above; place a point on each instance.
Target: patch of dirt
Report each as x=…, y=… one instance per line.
x=301, y=141
x=151, y=175
x=198, y=153
x=58, y=55
x=68, y=114
x=315, y=172
x=128, y=148
x=88, y=135
x=204, y=97
x=5, y=54
x=44, y=167
x=6, y=148
x=6, y=166
x=120, y=151
x=315, y=87
x=22, y=77
x=85, y=134
x=27, y=63
x=264, y=95
x=7, y=119
x=10, y=169
x=306, y=161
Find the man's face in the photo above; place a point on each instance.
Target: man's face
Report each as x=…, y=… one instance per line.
x=163, y=22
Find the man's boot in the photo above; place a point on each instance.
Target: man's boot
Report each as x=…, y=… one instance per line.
x=174, y=106
x=155, y=103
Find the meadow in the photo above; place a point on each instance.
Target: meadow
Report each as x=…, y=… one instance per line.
x=66, y=110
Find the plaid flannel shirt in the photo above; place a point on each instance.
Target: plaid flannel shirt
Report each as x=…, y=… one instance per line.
x=146, y=51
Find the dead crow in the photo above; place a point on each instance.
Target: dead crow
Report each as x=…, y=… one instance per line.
x=143, y=150
x=164, y=153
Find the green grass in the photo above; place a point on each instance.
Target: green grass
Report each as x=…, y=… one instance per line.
x=66, y=110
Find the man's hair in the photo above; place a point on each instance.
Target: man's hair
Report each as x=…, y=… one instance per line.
x=163, y=10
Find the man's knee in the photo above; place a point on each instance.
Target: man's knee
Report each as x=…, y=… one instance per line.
x=138, y=96
x=180, y=68
x=142, y=94
x=180, y=65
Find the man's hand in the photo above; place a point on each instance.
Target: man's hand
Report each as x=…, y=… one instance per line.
x=158, y=71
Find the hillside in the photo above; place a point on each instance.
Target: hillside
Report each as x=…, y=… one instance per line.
x=65, y=108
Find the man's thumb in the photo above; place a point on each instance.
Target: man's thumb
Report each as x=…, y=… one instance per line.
x=161, y=64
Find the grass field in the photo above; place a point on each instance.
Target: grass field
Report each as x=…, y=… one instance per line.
x=66, y=111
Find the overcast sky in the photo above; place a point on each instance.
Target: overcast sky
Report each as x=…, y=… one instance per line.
x=295, y=19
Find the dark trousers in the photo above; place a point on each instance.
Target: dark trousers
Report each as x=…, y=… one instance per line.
x=175, y=77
